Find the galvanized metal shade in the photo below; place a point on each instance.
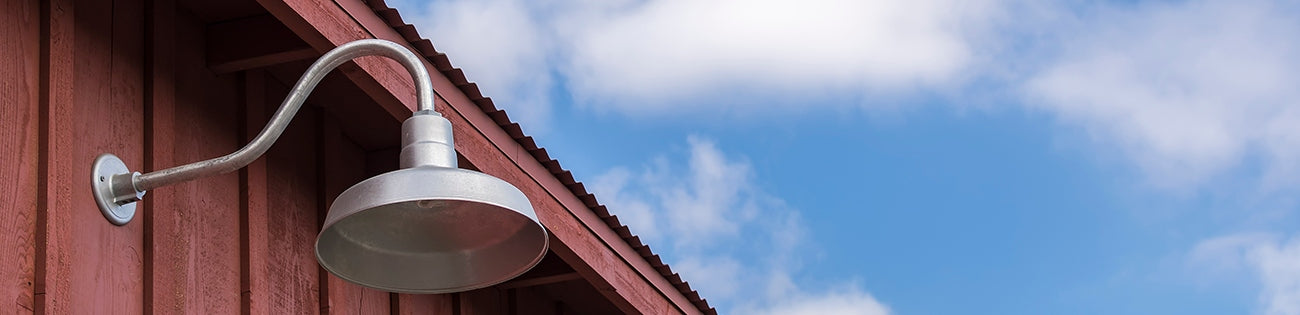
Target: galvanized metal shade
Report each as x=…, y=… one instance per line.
x=430, y=229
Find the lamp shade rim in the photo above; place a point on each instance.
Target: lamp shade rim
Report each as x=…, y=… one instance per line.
x=476, y=231
x=451, y=289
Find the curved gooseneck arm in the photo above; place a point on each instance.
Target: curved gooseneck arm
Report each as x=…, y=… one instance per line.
x=116, y=188
x=290, y=106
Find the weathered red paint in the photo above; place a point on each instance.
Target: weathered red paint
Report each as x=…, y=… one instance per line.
x=19, y=142
x=254, y=275
x=291, y=215
x=191, y=229
x=160, y=111
x=94, y=104
x=424, y=304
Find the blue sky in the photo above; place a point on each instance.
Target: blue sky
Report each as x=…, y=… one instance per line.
x=923, y=156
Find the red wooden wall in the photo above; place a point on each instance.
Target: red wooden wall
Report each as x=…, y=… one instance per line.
x=133, y=78
x=21, y=140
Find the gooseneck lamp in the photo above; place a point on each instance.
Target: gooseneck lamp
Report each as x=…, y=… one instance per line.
x=428, y=227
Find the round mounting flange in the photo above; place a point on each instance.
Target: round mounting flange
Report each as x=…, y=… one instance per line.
x=106, y=170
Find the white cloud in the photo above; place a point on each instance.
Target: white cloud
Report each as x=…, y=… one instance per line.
x=670, y=56
x=1275, y=263
x=1279, y=270
x=839, y=303
x=500, y=45
x=612, y=189
x=707, y=205
x=1188, y=90
x=650, y=56
x=721, y=278
x=704, y=204
x=736, y=244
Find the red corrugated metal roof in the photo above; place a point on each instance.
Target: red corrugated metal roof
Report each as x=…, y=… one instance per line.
x=443, y=65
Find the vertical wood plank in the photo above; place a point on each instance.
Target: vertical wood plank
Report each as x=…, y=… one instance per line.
x=20, y=147
x=195, y=224
x=95, y=105
x=343, y=164
x=160, y=102
x=279, y=271
x=253, y=215
x=485, y=301
x=425, y=304
x=55, y=88
x=293, y=284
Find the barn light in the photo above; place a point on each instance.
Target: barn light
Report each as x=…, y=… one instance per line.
x=428, y=227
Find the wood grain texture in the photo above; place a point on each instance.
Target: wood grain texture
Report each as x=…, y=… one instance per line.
x=292, y=275
x=253, y=224
x=425, y=304
x=57, y=36
x=90, y=265
x=160, y=108
x=195, y=224
x=343, y=164
x=19, y=150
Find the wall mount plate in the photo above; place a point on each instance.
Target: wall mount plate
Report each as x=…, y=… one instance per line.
x=104, y=169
